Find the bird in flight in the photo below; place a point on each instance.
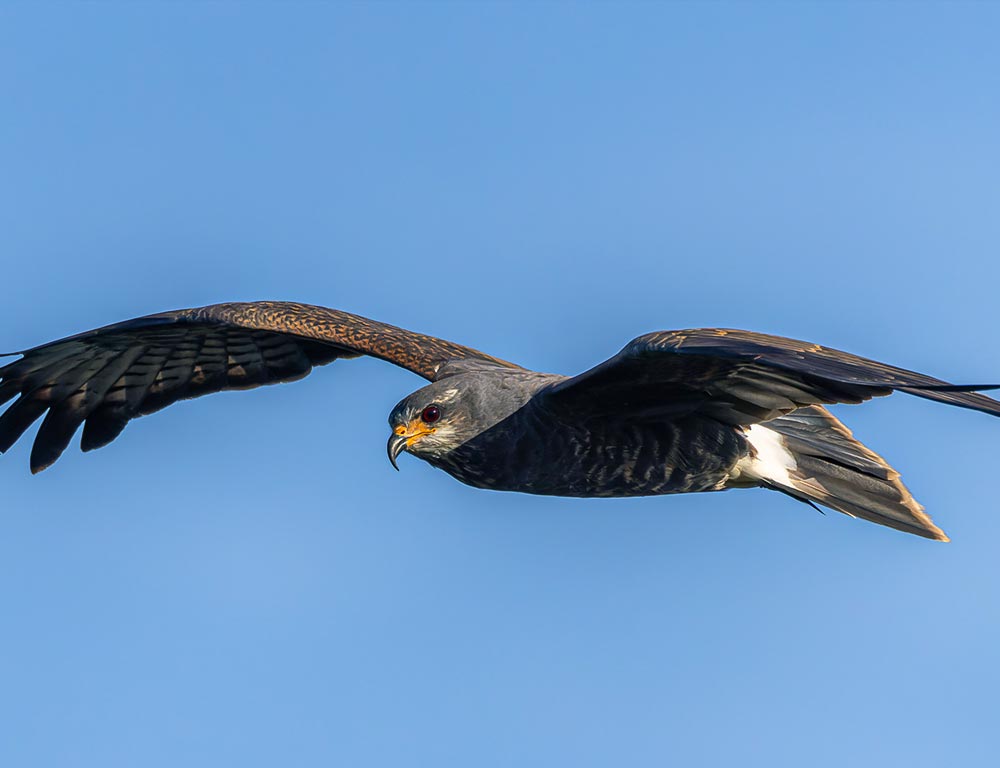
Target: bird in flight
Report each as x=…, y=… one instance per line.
x=673, y=412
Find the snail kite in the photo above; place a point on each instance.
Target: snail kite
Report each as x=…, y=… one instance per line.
x=673, y=412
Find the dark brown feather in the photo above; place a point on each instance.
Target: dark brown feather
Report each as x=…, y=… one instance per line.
x=834, y=469
x=741, y=377
x=106, y=377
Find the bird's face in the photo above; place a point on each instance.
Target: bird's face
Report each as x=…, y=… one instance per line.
x=431, y=422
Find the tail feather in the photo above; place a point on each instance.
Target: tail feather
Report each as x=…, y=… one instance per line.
x=810, y=455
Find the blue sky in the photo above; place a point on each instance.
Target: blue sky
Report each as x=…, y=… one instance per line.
x=243, y=580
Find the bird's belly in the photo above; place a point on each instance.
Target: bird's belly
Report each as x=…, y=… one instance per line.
x=685, y=456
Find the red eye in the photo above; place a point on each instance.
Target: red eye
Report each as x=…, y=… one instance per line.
x=430, y=414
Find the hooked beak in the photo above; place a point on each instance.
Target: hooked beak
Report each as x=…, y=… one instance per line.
x=395, y=446
x=404, y=436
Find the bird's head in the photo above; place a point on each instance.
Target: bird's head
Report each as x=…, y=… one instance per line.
x=432, y=421
x=435, y=420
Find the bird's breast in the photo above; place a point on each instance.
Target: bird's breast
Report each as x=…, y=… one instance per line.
x=538, y=453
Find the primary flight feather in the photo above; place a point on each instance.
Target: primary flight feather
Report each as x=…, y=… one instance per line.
x=673, y=412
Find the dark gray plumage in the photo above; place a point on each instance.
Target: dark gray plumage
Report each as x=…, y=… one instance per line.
x=673, y=412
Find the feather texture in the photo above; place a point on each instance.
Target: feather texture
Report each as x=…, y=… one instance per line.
x=106, y=377
x=741, y=377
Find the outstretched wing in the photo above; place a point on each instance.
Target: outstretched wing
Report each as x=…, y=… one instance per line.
x=106, y=377
x=740, y=377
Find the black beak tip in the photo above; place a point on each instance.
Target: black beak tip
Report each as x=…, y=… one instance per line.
x=395, y=446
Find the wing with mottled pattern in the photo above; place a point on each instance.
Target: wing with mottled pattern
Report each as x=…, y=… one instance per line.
x=741, y=377
x=106, y=377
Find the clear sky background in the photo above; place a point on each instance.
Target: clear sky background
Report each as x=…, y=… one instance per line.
x=243, y=580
